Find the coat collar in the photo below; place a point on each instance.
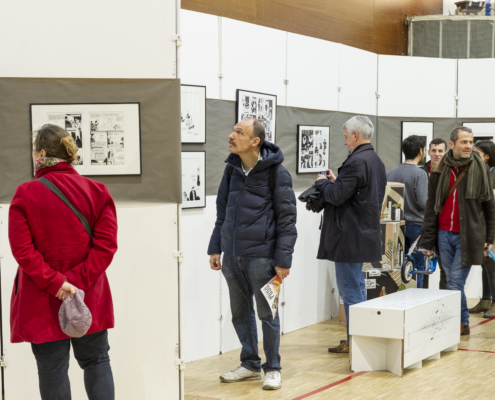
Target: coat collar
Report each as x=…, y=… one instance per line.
x=361, y=148
x=61, y=167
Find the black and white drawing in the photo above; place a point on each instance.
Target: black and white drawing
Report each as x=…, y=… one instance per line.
x=108, y=134
x=421, y=129
x=481, y=130
x=260, y=106
x=193, y=179
x=313, y=146
x=193, y=114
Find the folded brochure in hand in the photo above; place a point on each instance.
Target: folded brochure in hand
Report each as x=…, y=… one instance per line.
x=271, y=292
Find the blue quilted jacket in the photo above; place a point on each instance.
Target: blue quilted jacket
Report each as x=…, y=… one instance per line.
x=251, y=220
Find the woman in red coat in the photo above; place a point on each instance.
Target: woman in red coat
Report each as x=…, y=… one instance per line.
x=56, y=256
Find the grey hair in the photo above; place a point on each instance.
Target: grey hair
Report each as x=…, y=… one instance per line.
x=454, y=135
x=362, y=125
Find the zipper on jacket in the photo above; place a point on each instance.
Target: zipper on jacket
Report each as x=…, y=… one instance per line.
x=237, y=216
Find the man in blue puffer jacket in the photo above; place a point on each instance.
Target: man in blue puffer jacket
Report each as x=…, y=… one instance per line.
x=256, y=231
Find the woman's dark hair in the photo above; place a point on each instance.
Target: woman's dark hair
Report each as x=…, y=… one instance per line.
x=56, y=142
x=412, y=145
x=487, y=147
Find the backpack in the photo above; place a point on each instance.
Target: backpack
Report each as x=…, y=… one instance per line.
x=271, y=177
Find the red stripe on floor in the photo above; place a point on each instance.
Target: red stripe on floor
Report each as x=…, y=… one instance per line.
x=482, y=322
x=479, y=351
x=305, y=396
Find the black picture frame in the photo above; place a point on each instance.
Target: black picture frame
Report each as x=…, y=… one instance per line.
x=90, y=103
x=201, y=182
x=428, y=137
x=270, y=134
x=324, y=148
x=185, y=139
x=482, y=136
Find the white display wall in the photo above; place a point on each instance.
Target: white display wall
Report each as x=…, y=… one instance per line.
x=319, y=75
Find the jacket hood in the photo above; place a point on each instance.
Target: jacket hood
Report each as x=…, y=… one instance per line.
x=270, y=152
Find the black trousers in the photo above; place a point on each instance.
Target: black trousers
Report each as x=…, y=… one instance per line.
x=91, y=352
x=488, y=276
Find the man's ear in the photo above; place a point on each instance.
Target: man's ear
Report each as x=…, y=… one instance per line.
x=256, y=141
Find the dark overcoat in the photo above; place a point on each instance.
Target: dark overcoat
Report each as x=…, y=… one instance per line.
x=351, y=223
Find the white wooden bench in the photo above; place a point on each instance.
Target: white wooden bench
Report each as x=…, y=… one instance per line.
x=402, y=329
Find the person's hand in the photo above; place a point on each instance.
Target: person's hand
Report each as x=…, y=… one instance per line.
x=427, y=253
x=215, y=262
x=488, y=247
x=331, y=176
x=320, y=177
x=282, y=273
x=65, y=291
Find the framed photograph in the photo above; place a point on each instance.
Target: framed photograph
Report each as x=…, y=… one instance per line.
x=481, y=130
x=423, y=129
x=193, y=114
x=260, y=106
x=193, y=179
x=108, y=134
x=313, y=145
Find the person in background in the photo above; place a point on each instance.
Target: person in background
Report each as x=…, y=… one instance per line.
x=256, y=231
x=351, y=233
x=56, y=256
x=486, y=150
x=415, y=182
x=460, y=213
x=436, y=150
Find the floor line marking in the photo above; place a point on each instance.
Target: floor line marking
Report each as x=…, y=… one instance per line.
x=481, y=323
x=304, y=396
x=479, y=351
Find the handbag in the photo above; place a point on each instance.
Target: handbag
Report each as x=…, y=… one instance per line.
x=312, y=198
x=74, y=315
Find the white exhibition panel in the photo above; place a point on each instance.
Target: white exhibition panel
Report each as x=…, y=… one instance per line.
x=93, y=39
x=313, y=73
x=476, y=88
x=201, y=285
x=416, y=87
x=260, y=67
x=199, y=58
x=358, y=81
x=143, y=343
x=308, y=289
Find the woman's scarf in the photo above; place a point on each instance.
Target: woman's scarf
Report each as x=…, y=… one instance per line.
x=478, y=186
x=45, y=162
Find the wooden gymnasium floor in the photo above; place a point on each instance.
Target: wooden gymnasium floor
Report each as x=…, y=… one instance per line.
x=310, y=372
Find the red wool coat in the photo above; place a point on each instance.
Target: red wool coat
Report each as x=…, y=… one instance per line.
x=51, y=245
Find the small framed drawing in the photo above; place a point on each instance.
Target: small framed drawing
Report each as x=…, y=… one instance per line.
x=193, y=179
x=481, y=130
x=422, y=129
x=193, y=114
x=260, y=106
x=313, y=144
x=108, y=134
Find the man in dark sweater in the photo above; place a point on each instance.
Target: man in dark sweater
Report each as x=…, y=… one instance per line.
x=415, y=181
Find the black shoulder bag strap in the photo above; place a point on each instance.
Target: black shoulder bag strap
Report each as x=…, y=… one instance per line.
x=50, y=185
x=271, y=178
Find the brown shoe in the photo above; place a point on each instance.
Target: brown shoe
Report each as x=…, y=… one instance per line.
x=343, y=347
x=482, y=306
x=491, y=312
x=465, y=330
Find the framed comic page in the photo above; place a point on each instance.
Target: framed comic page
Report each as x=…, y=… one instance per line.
x=193, y=114
x=193, y=179
x=481, y=130
x=108, y=134
x=313, y=147
x=260, y=106
x=422, y=129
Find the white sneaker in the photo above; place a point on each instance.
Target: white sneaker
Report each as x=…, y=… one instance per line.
x=240, y=374
x=273, y=380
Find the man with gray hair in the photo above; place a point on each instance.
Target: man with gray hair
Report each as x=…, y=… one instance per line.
x=351, y=233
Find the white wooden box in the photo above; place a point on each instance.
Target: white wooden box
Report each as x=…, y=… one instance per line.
x=402, y=329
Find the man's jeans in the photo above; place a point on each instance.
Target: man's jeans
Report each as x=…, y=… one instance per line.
x=352, y=289
x=246, y=276
x=449, y=244
x=411, y=234
x=91, y=352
